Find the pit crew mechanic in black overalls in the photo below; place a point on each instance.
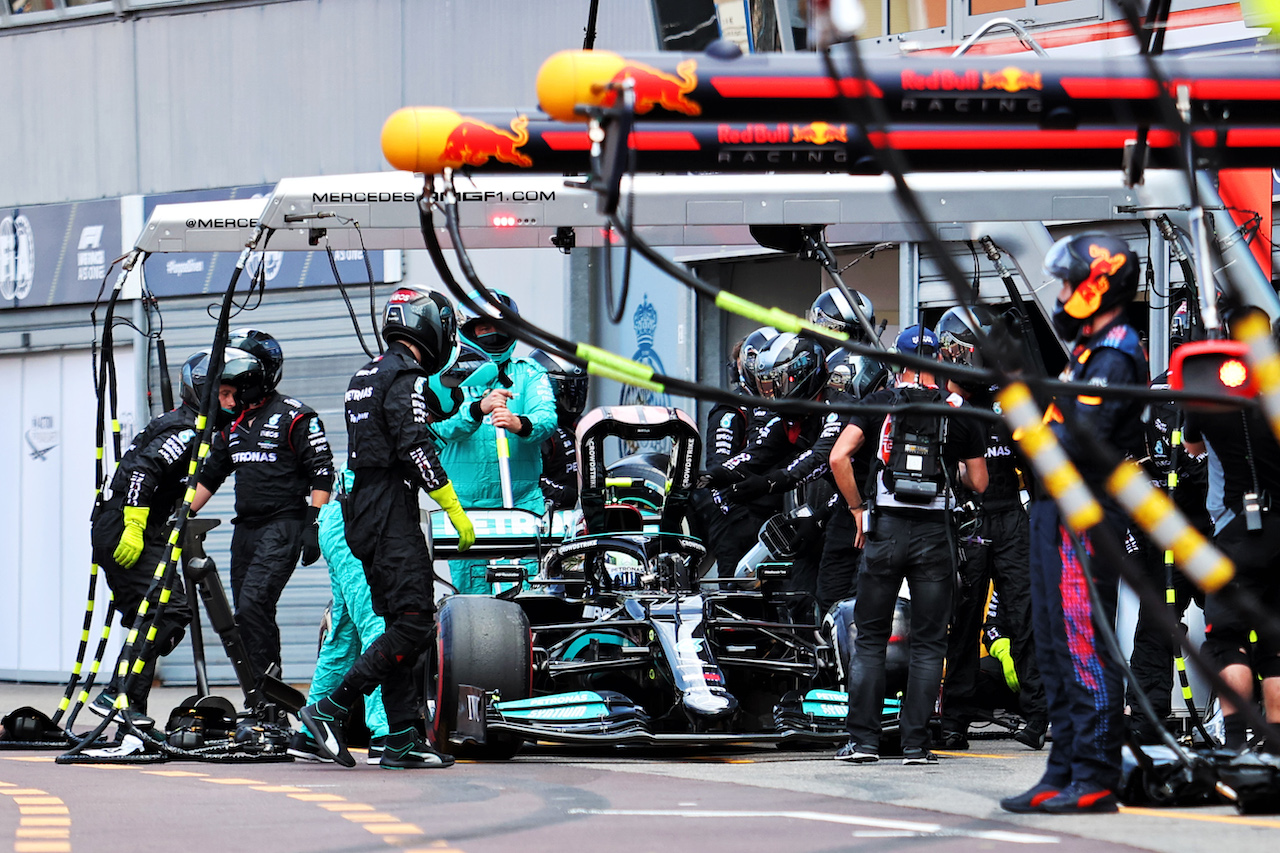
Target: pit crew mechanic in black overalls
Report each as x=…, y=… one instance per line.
x=850, y=378
x=284, y=474
x=733, y=526
x=787, y=453
x=569, y=384
x=997, y=553
x=130, y=525
x=393, y=451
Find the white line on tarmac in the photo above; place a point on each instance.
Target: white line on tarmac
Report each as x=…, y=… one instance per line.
x=902, y=826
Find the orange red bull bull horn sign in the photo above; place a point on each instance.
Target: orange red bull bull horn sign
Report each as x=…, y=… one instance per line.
x=429, y=139
x=796, y=88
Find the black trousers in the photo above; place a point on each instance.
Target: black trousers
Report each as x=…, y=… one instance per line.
x=1154, y=648
x=918, y=549
x=838, y=567
x=129, y=586
x=383, y=532
x=263, y=558
x=1006, y=562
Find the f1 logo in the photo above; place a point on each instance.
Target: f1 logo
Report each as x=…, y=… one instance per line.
x=90, y=238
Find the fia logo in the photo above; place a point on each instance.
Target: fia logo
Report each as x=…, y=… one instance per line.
x=17, y=257
x=267, y=262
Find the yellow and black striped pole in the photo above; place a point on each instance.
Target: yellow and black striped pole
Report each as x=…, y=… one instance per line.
x=1080, y=509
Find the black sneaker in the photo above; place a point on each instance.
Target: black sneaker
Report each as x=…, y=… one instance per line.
x=105, y=702
x=1082, y=798
x=376, y=746
x=955, y=740
x=404, y=750
x=303, y=748
x=1030, y=801
x=918, y=755
x=1033, y=734
x=324, y=721
x=855, y=754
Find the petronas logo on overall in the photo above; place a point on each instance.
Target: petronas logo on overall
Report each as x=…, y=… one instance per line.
x=646, y=326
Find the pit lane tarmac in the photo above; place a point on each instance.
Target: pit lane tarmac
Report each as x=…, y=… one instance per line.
x=566, y=799
x=553, y=799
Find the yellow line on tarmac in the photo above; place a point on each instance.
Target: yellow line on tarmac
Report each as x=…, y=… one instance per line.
x=1238, y=820
x=39, y=834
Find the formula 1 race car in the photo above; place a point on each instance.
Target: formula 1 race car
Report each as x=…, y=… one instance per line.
x=618, y=639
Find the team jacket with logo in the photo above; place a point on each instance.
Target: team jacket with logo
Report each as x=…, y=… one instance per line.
x=1114, y=356
x=387, y=427
x=560, y=469
x=793, y=452
x=152, y=473
x=279, y=457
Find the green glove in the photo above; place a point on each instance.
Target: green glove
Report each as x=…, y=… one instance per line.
x=130, y=547
x=448, y=500
x=1000, y=651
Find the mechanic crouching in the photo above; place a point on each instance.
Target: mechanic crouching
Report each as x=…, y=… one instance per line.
x=392, y=450
x=909, y=536
x=788, y=452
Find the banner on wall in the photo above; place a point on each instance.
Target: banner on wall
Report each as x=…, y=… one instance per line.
x=57, y=254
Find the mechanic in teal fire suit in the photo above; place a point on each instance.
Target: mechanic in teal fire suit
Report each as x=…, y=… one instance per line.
x=518, y=400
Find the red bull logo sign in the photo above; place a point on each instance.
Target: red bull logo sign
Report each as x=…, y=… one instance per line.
x=473, y=143
x=782, y=133
x=942, y=80
x=1011, y=79
x=655, y=88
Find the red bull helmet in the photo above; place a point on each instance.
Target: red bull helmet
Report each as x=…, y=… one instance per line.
x=1102, y=272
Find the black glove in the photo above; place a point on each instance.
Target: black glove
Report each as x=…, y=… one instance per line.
x=754, y=486
x=720, y=476
x=311, y=537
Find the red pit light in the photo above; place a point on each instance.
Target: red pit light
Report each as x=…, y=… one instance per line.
x=1233, y=373
x=503, y=221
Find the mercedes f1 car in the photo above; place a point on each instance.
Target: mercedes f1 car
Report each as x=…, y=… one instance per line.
x=618, y=639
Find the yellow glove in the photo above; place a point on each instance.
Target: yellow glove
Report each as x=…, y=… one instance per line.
x=130, y=547
x=1000, y=651
x=448, y=500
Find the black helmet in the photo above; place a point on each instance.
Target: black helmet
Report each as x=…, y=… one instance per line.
x=239, y=369
x=1102, y=272
x=266, y=349
x=832, y=310
x=791, y=367
x=857, y=375
x=959, y=331
x=498, y=345
x=425, y=318
x=568, y=381
x=752, y=344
